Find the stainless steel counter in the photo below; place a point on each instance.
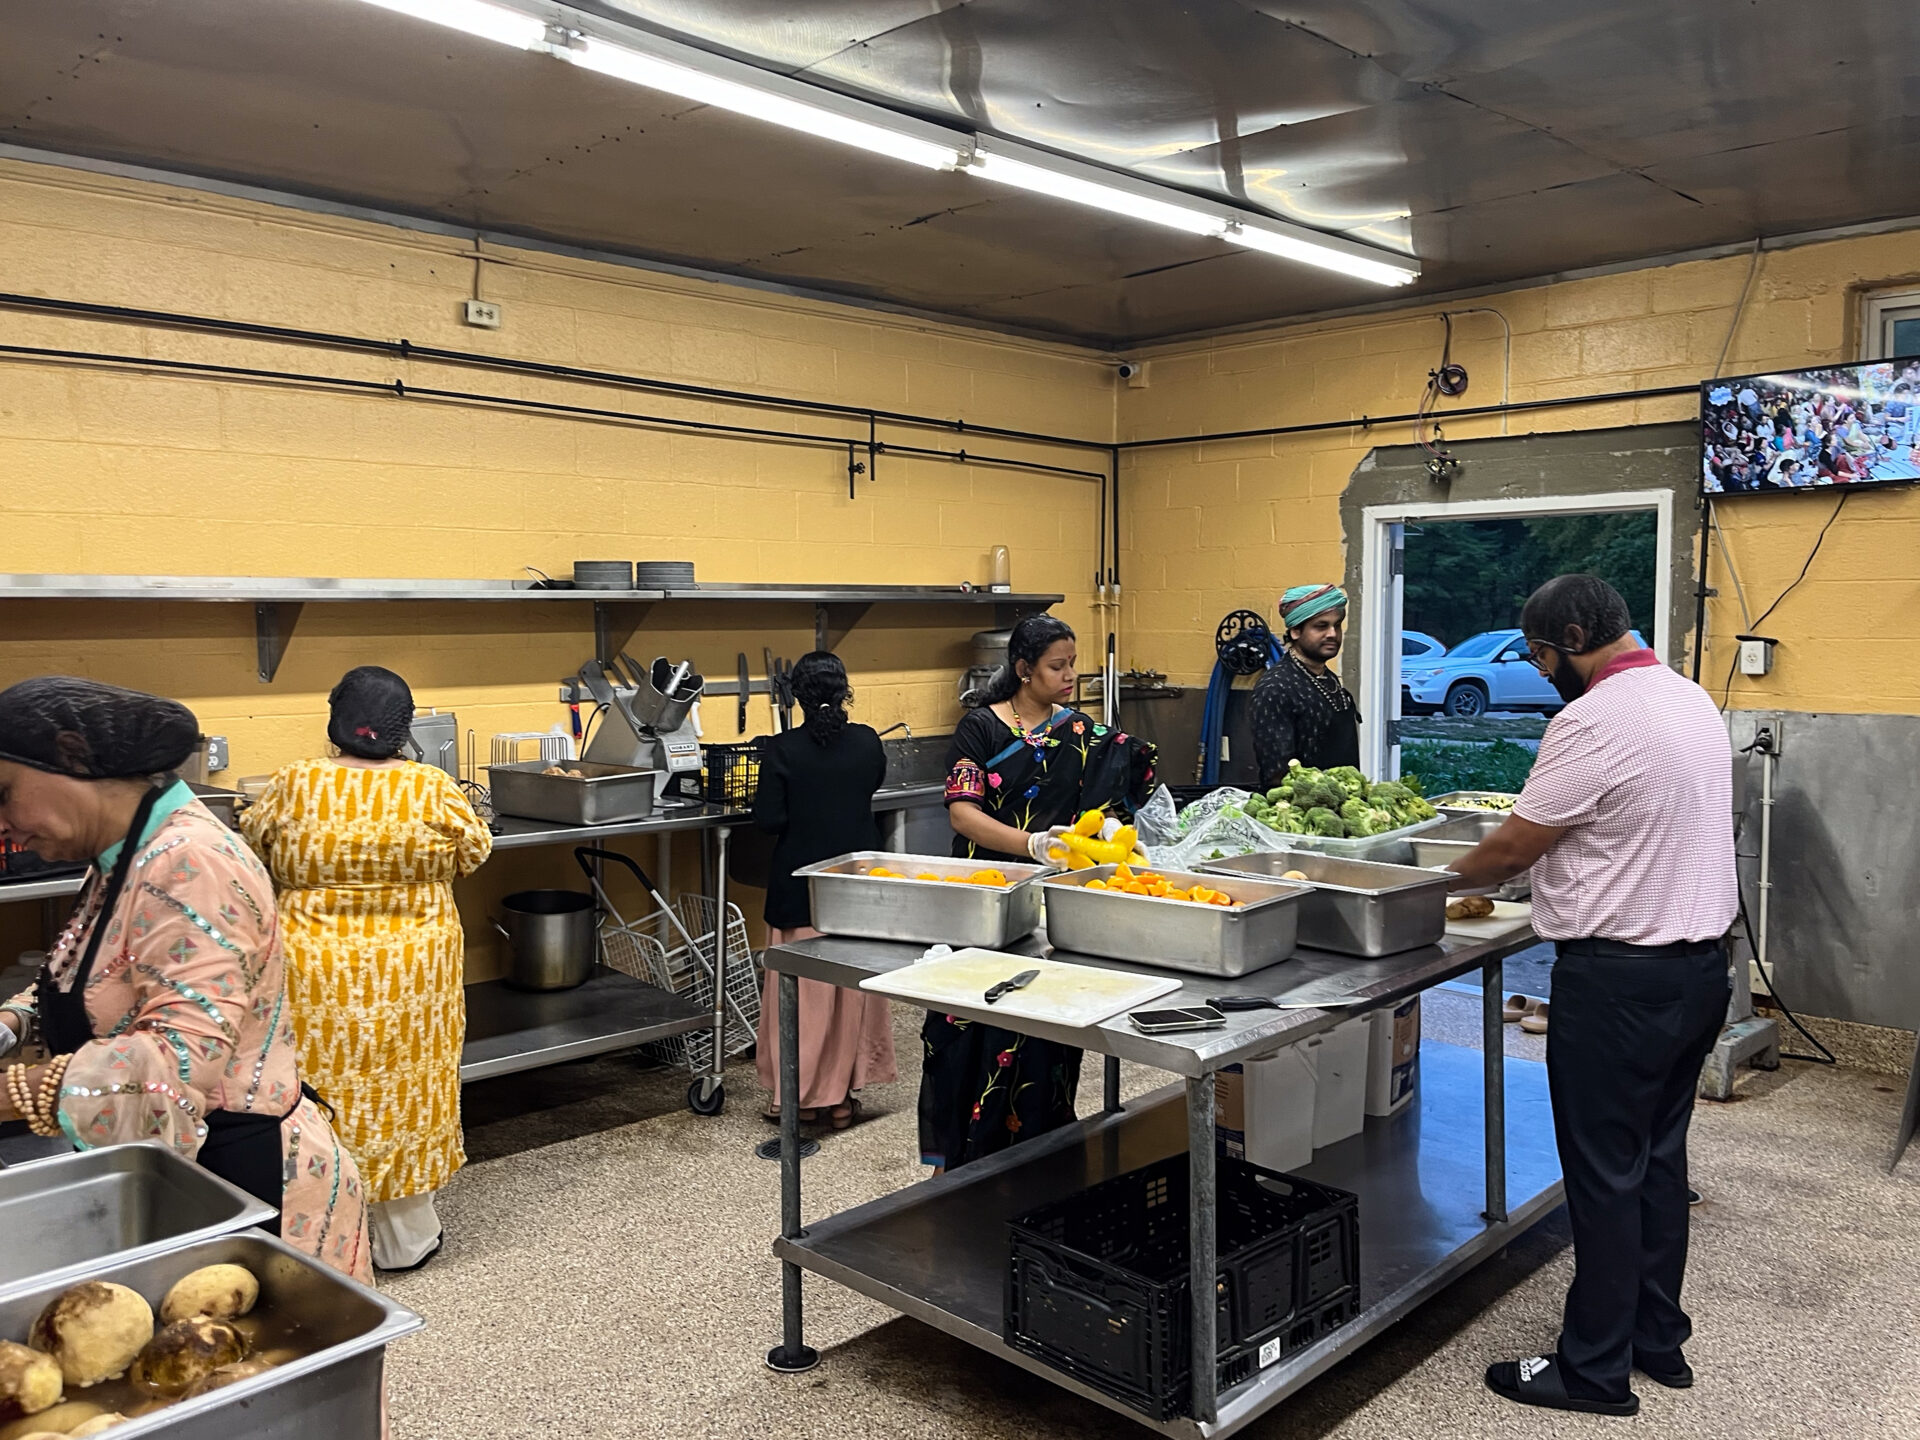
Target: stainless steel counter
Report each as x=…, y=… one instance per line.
x=1443, y=1192
x=58, y=888
x=1310, y=973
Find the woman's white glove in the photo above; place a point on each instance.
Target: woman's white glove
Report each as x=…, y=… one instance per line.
x=1110, y=827
x=1040, y=843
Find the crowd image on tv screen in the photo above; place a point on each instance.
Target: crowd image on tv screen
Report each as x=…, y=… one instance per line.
x=1848, y=425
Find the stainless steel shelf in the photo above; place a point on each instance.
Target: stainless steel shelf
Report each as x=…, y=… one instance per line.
x=617, y=614
x=518, y=833
x=511, y=1030
x=13, y=891
x=938, y=1250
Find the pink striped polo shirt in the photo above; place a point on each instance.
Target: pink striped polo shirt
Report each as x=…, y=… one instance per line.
x=1638, y=773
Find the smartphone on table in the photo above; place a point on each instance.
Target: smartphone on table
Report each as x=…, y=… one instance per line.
x=1173, y=1020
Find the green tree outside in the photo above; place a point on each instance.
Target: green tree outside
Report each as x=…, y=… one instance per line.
x=1465, y=576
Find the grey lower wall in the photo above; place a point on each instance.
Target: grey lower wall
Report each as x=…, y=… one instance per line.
x=1846, y=863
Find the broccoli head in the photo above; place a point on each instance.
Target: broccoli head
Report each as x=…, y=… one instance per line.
x=1323, y=821
x=1363, y=819
x=1316, y=791
x=1349, y=780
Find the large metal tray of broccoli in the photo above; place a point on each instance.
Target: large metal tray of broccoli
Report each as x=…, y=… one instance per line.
x=1340, y=812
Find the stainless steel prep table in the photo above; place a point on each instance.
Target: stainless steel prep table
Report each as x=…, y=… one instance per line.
x=1442, y=1192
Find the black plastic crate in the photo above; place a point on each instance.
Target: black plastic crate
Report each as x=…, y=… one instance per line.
x=733, y=772
x=1097, y=1284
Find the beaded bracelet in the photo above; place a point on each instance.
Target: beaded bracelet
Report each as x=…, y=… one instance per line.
x=41, y=1111
x=49, y=1098
x=17, y=1093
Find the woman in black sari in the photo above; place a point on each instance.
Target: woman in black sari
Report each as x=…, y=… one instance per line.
x=1021, y=765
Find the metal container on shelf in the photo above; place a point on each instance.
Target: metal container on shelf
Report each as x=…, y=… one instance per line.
x=67, y=1214
x=847, y=900
x=1261, y=930
x=331, y=1393
x=589, y=793
x=548, y=938
x=1474, y=802
x=1439, y=847
x=1357, y=907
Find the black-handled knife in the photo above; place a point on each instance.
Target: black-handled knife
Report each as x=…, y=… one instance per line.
x=1018, y=982
x=1242, y=1002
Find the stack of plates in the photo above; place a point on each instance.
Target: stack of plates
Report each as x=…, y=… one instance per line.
x=603, y=574
x=663, y=574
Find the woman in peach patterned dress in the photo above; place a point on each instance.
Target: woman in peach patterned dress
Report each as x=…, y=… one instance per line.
x=164, y=997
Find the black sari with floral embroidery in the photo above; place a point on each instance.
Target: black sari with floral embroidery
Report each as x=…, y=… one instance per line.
x=983, y=1088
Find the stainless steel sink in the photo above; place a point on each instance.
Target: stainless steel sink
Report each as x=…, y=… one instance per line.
x=919, y=761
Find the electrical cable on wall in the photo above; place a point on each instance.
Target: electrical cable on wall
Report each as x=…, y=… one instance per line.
x=1446, y=379
x=1726, y=693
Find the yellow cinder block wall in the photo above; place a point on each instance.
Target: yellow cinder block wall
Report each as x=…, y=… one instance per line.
x=1219, y=526
x=107, y=470
x=104, y=470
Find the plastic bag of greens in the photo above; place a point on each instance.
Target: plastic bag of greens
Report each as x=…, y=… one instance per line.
x=1204, y=811
x=1158, y=821
x=1225, y=833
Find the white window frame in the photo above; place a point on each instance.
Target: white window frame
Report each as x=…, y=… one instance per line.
x=1880, y=308
x=1378, y=686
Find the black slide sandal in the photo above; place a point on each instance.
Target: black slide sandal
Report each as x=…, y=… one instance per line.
x=1538, y=1382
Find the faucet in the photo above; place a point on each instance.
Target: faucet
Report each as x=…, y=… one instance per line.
x=903, y=725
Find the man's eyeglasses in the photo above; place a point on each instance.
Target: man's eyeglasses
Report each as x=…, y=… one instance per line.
x=1539, y=650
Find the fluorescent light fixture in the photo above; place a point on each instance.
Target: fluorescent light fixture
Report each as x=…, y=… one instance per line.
x=763, y=96
x=727, y=84
x=1329, y=252
x=476, y=17
x=1089, y=185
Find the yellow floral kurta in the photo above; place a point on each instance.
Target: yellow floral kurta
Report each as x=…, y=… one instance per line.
x=364, y=861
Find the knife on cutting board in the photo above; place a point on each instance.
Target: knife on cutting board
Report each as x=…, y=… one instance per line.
x=1006, y=987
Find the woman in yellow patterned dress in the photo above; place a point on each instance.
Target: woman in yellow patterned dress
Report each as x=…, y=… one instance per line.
x=364, y=849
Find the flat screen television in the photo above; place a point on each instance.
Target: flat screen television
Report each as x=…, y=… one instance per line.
x=1805, y=429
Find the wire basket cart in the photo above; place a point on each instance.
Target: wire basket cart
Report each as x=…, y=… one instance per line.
x=686, y=969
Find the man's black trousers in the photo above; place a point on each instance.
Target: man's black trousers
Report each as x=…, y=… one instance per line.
x=1631, y=1026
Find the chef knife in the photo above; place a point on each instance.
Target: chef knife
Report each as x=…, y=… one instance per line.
x=743, y=692
x=1018, y=982
x=773, y=688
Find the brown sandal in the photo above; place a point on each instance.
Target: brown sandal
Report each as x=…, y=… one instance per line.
x=807, y=1117
x=842, y=1117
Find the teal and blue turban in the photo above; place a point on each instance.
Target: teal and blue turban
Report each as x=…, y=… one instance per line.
x=1302, y=602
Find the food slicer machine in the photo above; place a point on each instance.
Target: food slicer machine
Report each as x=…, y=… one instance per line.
x=645, y=716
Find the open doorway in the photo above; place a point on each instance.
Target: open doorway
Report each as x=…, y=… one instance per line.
x=1445, y=583
x=1473, y=708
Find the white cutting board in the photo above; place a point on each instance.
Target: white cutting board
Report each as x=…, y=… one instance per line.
x=1506, y=914
x=1074, y=995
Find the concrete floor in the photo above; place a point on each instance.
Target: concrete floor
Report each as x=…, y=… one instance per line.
x=607, y=1274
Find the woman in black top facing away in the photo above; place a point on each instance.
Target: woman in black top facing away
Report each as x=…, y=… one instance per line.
x=816, y=794
x=1021, y=765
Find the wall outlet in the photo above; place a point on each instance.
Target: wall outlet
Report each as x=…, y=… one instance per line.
x=1756, y=654
x=483, y=313
x=218, y=757
x=1768, y=737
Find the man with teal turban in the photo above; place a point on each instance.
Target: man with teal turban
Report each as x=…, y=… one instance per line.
x=1300, y=710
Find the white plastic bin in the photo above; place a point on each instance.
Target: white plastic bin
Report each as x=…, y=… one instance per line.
x=1263, y=1110
x=1393, y=1056
x=1339, y=1059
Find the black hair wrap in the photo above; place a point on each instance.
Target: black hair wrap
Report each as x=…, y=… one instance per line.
x=372, y=713
x=69, y=726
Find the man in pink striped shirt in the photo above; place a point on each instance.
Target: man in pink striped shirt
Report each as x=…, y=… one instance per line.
x=1627, y=821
